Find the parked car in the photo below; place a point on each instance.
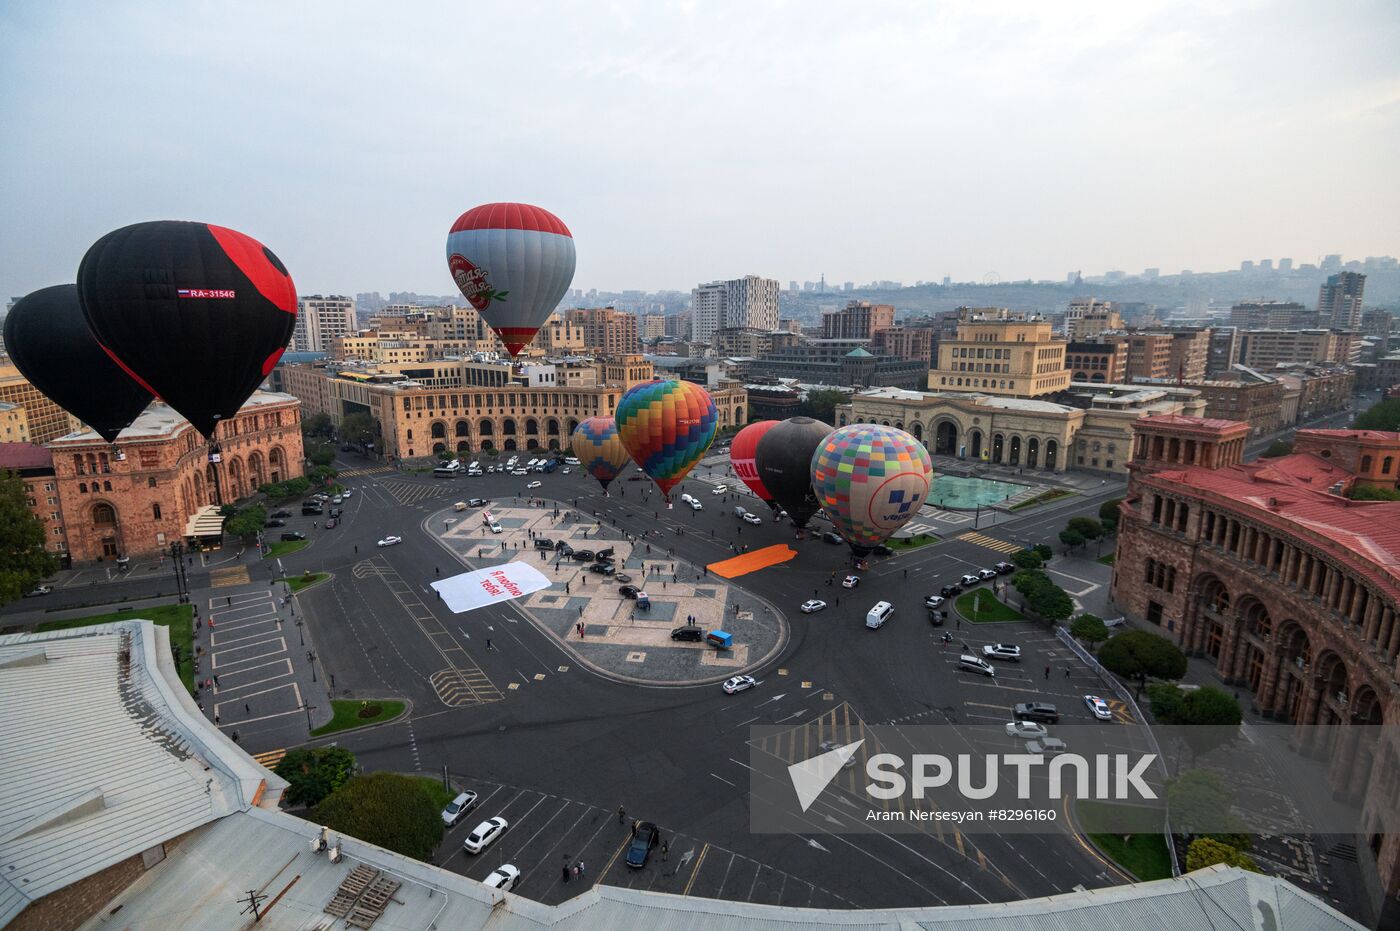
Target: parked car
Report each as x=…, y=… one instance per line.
x=390, y=541
x=1041, y=711
x=477, y=502
x=606, y=554
x=968, y=581
x=813, y=606
x=1005, y=568
x=1007, y=651
x=933, y=601
x=644, y=838
x=602, y=568
x=484, y=834
x=458, y=807
x=503, y=877
x=280, y=514
x=628, y=591
x=275, y=523
x=833, y=538
x=1098, y=707
x=544, y=544
x=582, y=555
x=969, y=663
x=1048, y=746
x=337, y=500
x=719, y=489
x=332, y=523
x=293, y=535
x=752, y=518
x=689, y=633
x=336, y=512
x=622, y=577
x=347, y=493
x=535, y=484
x=739, y=684
x=39, y=591
x=850, y=581
x=948, y=591
x=986, y=575
x=571, y=460
x=1026, y=730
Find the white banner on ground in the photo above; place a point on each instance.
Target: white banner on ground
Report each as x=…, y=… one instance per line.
x=472, y=590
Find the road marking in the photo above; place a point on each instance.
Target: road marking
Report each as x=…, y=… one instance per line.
x=991, y=543
x=699, y=861
x=613, y=859
x=271, y=758
x=723, y=780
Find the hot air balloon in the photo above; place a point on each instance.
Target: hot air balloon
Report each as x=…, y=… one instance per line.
x=599, y=449
x=198, y=314
x=784, y=462
x=871, y=480
x=513, y=262
x=666, y=427
x=741, y=457
x=48, y=338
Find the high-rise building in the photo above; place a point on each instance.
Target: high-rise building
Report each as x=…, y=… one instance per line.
x=913, y=344
x=1149, y=354
x=1272, y=315
x=707, y=310
x=751, y=302
x=1086, y=317
x=1266, y=348
x=1285, y=265
x=46, y=420
x=322, y=319
x=678, y=325
x=606, y=330
x=1339, y=301
x=1097, y=362
x=653, y=326
x=1011, y=358
x=1376, y=322
x=1224, y=349
x=857, y=320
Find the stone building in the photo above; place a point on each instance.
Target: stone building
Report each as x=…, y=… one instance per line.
x=1000, y=356
x=1102, y=362
x=43, y=419
x=606, y=330
x=136, y=496
x=34, y=464
x=912, y=344
x=857, y=320
x=1288, y=587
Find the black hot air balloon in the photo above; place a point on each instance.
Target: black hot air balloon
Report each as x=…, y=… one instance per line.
x=784, y=463
x=48, y=338
x=197, y=313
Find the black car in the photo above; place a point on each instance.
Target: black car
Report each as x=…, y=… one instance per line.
x=542, y=544
x=581, y=555
x=335, y=512
x=936, y=617
x=628, y=591
x=275, y=523
x=948, y=591
x=688, y=633
x=622, y=577
x=833, y=537
x=636, y=478
x=278, y=514
x=563, y=545
x=644, y=838
x=606, y=553
x=602, y=568
x=293, y=535
x=1004, y=568
x=1043, y=712
x=308, y=510
x=881, y=549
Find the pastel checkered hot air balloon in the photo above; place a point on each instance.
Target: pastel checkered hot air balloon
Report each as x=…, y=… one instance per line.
x=870, y=479
x=513, y=262
x=666, y=427
x=599, y=449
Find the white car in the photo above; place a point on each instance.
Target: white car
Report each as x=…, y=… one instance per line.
x=533, y=485
x=565, y=471
x=826, y=746
x=503, y=877
x=739, y=684
x=719, y=489
x=1026, y=730
x=752, y=518
x=696, y=505
x=969, y=580
x=1099, y=707
x=519, y=471
x=571, y=460
x=933, y=601
x=390, y=541
x=495, y=527
x=986, y=575
x=40, y=590
x=338, y=499
x=813, y=606
x=850, y=581
x=347, y=493
x=484, y=834
x=1049, y=746
x=458, y=807
x=1007, y=651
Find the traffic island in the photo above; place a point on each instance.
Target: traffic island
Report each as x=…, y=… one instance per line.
x=980, y=606
x=349, y=714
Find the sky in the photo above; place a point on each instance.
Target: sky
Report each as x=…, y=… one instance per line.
x=685, y=142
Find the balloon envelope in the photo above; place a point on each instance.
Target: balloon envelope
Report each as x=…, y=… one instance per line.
x=741, y=457
x=599, y=449
x=871, y=480
x=197, y=313
x=49, y=340
x=666, y=427
x=784, y=463
x=513, y=262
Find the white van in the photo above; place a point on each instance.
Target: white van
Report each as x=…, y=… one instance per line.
x=571, y=460
x=977, y=664
x=876, y=617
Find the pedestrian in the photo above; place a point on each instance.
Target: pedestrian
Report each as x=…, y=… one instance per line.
x=665, y=850
x=838, y=601
x=576, y=871
x=437, y=570
x=634, y=829
x=216, y=678
x=620, y=814
x=580, y=610
x=246, y=709
x=234, y=735
x=1066, y=672
x=1047, y=672
x=488, y=644
x=959, y=623
x=357, y=547
x=230, y=601
x=566, y=872
x=216, y=719
x=580, y=868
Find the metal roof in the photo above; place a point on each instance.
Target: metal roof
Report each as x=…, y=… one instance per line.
x=104, y=756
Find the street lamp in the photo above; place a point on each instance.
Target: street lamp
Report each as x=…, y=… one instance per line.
x=301, y=633
x=308, y=708
x=311, y=658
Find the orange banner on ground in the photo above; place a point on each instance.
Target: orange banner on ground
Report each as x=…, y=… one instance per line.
x=752, y=562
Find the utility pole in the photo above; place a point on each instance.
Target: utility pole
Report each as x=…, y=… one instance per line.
x=311, y=658
x=308, y=708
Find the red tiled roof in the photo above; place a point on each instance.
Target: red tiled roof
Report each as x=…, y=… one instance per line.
x=24, y=456
x=1348, y=434
x=1200, y=423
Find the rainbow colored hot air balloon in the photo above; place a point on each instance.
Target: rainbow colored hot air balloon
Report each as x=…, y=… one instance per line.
x=741, y=457
x=871, y=480
x=513, y=262
x=666, y=427
x=599, y=449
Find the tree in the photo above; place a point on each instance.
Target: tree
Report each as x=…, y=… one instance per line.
x=1206, y=851
x=357, y=428
x=1027, y=559
x=396, y=812
x=1072, y=539
x=1087, y=526
x=1090, y=629
x=1206, y=705
x=1108, y=511
x=320, y=475
x=1382, y=416
x=821, y=403
x=23, y=560
x=314, y=773
x=317, y=425
x=1044, y=551
x=1042, y=596
x=1360, y=492
x=1137, y=653
x=1277, y=448
x=246, y=522
x=321, y=454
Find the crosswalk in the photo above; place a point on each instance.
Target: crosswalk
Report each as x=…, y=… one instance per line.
x=411, y=492
x=991, y=543
x=271, y=758
x=222, y=578
x=352, y=473
x=458, y=686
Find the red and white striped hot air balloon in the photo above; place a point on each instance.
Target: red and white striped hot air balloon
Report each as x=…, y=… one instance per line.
x=513, y=262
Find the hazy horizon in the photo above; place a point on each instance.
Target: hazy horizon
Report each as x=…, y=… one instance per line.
x=691, y=142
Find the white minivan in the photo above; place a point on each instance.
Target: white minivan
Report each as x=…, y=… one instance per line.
x=876, y=617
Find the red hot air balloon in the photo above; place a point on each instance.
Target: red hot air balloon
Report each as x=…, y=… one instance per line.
x=741, y=457
x=198, y=314
x=513, y=262
x=48, y=338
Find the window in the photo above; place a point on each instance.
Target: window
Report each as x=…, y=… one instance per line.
x=82, y=487
x=1386, y=463
x=106, y=486
x=151, y=482
x=155, y=511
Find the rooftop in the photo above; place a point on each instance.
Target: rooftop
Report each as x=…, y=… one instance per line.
x=159, y=420
x=18, y=456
